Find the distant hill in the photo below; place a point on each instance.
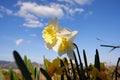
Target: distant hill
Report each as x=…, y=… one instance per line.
x=9, y=64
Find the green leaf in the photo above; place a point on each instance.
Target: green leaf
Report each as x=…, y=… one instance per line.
x=30, y=66
x=45, y=66
x=1, y=74
x=45, y=74
x=12, y=75
x=21, y=65
x=35, y=73
x=25, y=59
x=97, y=60
x=85, y=59
x=38, y=75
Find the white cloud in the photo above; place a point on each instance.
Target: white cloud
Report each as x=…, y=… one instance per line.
x=29, y=41
x=19, y=2
x=68, y=1
x=1, y=15
x=8, y=11
x=33, y=23
x=83, y=2
x=89, y=13
x=41, y=10
x=32, y=12
x=33, y=35
x=5, y=10
x=80, y=10
x=19, y=41
x=68, y=10
x=76, y=10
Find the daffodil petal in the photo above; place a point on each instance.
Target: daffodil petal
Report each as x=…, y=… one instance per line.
x=56, y=62
x=48, y=46
x=70, y=53
x=64, y=31
x=56, y=47
x=70, y=35
x=73, y=35
x=53, y=22
x=47, y=62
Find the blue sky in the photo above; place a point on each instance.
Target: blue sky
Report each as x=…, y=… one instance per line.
x=22, y=22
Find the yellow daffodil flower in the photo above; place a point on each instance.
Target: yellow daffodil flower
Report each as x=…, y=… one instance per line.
x=53, y=67
x=96, y=73
x=59, y=39
x=102, y=75
x=102, y=67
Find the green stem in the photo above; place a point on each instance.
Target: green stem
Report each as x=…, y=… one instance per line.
x=62, y=64
x=73, y=70
x=77, y=66
x=81, y=65
x=116, y=69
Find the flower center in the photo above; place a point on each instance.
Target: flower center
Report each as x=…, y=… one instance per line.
x=49, y=35
x=64, y=44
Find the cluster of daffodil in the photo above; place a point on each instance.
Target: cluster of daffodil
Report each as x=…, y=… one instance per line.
x=60, y=39
x=55, y=69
